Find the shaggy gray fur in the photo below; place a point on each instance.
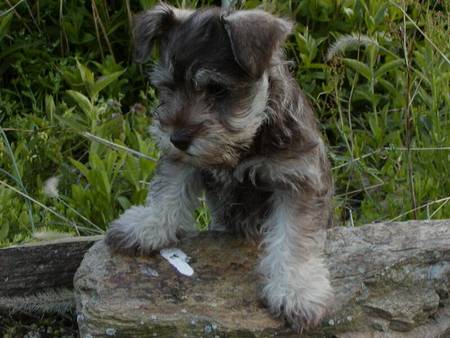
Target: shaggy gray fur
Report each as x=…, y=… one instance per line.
x=233, y=123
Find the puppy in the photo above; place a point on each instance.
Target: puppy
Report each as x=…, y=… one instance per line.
x=232, y=123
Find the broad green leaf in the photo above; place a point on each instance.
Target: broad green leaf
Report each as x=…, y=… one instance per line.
x=124, y=202
x=379, y=16
x=72, y=121
x=81, y=167
x=78, y=195
x=359, y=67
x=388, y=86
x=50, y=106
x=5, y=22
x=362, y=95
x=104, y=81
x=388, y=66
x=110, y=160
x=87, y=76
x=106, y=184
x=4, y=230
x=96, y=161
x=372, y=54
x=82, y=101
x=132, y=172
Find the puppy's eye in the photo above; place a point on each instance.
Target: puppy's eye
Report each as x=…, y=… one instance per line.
x=157, y=110
x=166, y=88
x=216, y=89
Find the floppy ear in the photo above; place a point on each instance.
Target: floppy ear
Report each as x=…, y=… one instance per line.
x=152, y=24
x=254, y=37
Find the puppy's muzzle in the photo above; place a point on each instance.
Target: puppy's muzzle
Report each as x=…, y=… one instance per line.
x=181, y=139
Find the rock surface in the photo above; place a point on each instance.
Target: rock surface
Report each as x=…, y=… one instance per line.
x=390, y=280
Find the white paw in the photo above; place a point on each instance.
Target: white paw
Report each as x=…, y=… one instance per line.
x=139, y=230
x=302, y=297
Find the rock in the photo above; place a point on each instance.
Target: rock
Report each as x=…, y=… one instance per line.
x=390, y=280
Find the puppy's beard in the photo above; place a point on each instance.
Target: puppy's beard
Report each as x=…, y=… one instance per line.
x=221, y=146
x=215, y=150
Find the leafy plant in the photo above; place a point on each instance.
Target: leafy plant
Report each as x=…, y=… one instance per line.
x=74, y=107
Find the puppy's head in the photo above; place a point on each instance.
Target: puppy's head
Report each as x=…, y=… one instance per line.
x=211, y=76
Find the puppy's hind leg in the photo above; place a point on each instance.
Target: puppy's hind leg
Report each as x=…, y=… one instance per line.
x=172, y=198
x=296, y=278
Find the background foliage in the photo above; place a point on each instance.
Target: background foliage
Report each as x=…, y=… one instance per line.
x=376, y=71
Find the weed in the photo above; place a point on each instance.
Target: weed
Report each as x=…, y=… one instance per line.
x=74, y=106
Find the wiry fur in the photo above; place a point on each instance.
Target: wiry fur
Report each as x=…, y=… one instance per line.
x=249, y=140
x=173, y=195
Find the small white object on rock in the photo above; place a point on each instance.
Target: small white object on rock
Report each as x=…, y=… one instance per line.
x=178, y=259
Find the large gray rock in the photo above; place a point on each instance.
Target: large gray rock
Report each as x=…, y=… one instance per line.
x=390, y=280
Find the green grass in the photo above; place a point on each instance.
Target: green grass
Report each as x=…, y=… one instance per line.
x=38, y=325
x=377, y=73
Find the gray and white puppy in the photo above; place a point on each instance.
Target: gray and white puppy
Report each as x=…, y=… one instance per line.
x=233, y=123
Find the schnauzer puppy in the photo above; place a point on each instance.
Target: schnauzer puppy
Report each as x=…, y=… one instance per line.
x=233, y=123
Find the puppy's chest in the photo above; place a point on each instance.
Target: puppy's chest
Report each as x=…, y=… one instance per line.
x=218, y=178
x=223, y=182
x=241, y=206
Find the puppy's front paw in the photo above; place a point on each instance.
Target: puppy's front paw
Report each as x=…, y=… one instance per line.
x=137, y=231
x=301, y=306
x=301, y=315
x=120, y=241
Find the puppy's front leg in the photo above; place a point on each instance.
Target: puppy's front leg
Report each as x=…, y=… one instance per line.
x=172, y=198
x=296, y=279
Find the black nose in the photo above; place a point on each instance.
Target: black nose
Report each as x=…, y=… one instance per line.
x=181, y=139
